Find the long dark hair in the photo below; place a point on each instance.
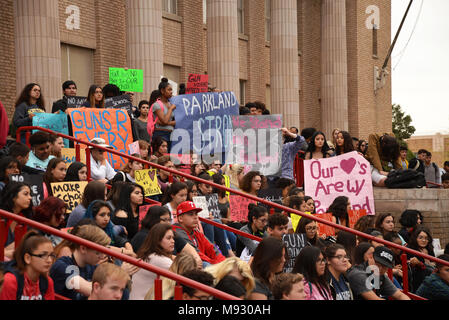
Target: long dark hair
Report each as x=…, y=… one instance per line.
x=359, y=252
x=306, y=265
x=301, y=228
x=25, y=96
x=152, y=242
x=124, y=199
x=48, y=176
x=91, y=96
x=312, y=147
x=4, y=164
x=9, y=192
x=268, y=253
x=156, y=144
x=218, y=179
x=255, y=212
x=174, y=188
x=92, y=211
x=348, y=146
x=413, y=242
x=348, y=241
x=339, y=210
x=94, y=191
x=72, y=171
x=153, y=216
x=390, y=148
x=30, y=241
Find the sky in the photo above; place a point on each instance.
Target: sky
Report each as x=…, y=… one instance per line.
x=420, y=70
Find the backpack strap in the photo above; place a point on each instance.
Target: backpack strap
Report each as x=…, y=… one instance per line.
x=20, y=282
x=43, y=285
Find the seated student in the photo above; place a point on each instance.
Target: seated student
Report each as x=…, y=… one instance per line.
x=163, y=111
x=349, y=242
x=383, y=154
x=77, y=171
x=8, y=166
x=289, y=151
x=69, y=90
x=364, y=224
x=21, y=153
x=100, y=169
x=187, y=214
x=109, y=282
x=288, y=286
x=310, y=203
x=56, y=172
x=436, y=286
x=257, y=221
x=173, y=197
x=40, y=151
x=268, y=260
x=409, y=220
x=403, y=152
x=307, y=133
x=127, y=174
x=156, y=250
x=232, y=286
x=286, y=185
x=337, y=265
x=318, y=147
x=27, y=278
x=362, y=146
x=277, y=225
x=445, y=180
x=51, y=212
x=309, y=228
x=73, y=275
x=397, y=270
x=163, y=176
x=360, y=275
x=200, y=276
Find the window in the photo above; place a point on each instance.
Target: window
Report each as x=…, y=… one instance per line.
x=205, y=11
x=242, y=92
x=241, y=16
x=77, y=64
x=170, y=6
x=267, y=20
x=374, y=41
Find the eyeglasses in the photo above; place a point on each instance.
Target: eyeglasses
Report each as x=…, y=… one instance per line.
x=320, y=261
x=203, y=297
x=340, y=257
x=44, y=256
x=257, y=181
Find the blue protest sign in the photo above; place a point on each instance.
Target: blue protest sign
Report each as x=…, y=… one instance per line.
x=203, y=122
x=54, y=121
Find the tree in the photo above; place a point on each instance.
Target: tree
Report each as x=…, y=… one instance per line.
x=402, y=127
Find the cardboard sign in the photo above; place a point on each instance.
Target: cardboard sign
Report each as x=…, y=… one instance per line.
x=354, y=216
x=257, y=142
x=36, y=183
x=201, y=202
x=134, y=148
x=324, y=228
x=54, y=121
x=119, y=102
x=197, y=83
x=75, y=102
x=113, y=125
x=148, y=180
x=272, y=195
x=239, y=207
x=71, y=192
x=212, y=205
x=346, y=175
x=69, y=155
x=127, y=79
x=294, y=243
x=203, y=123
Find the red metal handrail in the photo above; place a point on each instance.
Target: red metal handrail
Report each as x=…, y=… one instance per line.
x=109, y=252
x=433, y=184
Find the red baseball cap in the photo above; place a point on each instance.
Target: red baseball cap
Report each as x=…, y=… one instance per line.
x=187, y=206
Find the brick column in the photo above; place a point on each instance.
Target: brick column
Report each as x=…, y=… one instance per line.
x=144, y=42
x=284, y=61
x=38, y=47
x=334, y=67
x=222, y=45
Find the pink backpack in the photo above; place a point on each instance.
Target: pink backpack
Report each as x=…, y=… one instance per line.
x=151, y=121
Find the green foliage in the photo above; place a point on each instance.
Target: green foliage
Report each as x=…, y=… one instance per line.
x=402, y=127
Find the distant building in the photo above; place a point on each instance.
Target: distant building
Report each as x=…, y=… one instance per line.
x=437, y=144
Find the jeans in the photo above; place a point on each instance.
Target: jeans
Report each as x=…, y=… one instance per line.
x=217, y=235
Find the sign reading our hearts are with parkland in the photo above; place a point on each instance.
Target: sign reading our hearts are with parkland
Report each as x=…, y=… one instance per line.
x=346, y=175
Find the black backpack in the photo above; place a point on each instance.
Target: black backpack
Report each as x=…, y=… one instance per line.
x=405, y=179
x=10, y=266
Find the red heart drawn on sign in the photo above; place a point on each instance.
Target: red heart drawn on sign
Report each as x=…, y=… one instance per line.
x=348, y=165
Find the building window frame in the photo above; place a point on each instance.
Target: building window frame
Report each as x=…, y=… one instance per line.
x=170, y=6
x=267, y=13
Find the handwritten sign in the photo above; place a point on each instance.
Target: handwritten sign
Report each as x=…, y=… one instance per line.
x=257, y=142
x=69, y=155
x=127, y=79
x=324, y=228
x=212, y=205
x=354, y=216
x=148, y=180
x=54, y=121
x=75, y=102
x=294, y=243
x=119, y=102
x=71, y=192
x=197, y=83
x=113, y=125
x=239, y=207
x=346, y=175
x=201, y=202
x=203, y=123
x=272, y=195
x=36, y=184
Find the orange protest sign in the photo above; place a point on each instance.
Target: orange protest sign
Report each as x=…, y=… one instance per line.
x=355, y=215
x=324, y=228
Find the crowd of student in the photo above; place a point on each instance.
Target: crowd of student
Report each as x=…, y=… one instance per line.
x=172, y=237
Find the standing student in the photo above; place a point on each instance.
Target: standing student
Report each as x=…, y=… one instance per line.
x=40, y=151
x=95, y=97
x=268, y=260
x=77, y=171
x=344, y=143
x=337, y=265
x=108, y=282
x=431, y=171
x=56, y=145
x=29, y=279
x=165, y=118
x=140, y=124
x=312, y=265
x=56, y=172
x=156, y=250
x=69, y=90
x=289, y=151
x=318, y=147
x=29, y=102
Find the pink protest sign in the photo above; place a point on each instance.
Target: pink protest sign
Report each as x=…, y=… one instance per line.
x=346, y=175
x=134, y=148
x=239, y=207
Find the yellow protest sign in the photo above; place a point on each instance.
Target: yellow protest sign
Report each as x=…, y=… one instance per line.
x=148, y=180
x=71, y=192
x=295, y=220
x=69, y=155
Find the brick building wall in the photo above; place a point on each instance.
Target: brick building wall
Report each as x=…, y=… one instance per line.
x=437, y=144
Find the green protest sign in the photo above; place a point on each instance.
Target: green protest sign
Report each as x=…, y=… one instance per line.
x=127, y=79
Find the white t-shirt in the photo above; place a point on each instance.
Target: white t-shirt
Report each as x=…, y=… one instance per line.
x=99, y=171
